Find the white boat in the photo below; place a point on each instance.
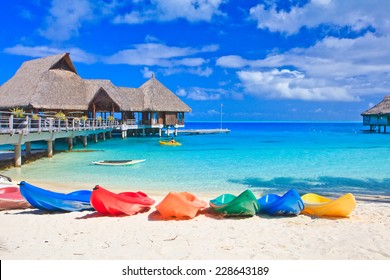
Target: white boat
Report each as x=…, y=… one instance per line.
x=118, y=162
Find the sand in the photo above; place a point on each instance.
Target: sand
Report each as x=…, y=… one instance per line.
x=35, y=235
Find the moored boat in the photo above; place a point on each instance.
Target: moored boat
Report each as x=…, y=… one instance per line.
x=180, y=205
x=289, y=204
x=54, y=201
x=244, y=204
x=125, y=203
x=118, y=162
x=11, y=198
x=318, y=205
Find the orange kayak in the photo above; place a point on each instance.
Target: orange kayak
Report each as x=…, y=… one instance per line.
x=322, y=206
x=180, y=205
x=125, y=203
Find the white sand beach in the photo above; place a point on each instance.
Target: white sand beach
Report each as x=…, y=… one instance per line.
x=35, y=235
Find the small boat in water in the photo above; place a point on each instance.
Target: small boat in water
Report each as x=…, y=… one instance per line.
x=11, y=198
x=290, y=204
x=56, y=202
x=180, y=205
x=5, y=180
x=125, y=203
x=118, y=162
x=322, y=206
x=170, y=143
x=244, y=204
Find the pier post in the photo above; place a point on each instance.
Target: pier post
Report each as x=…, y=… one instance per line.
x=85, y=141
x=28, y=149
x=18, y=155
x=95, y=137
x=70, y=143
x=159, y=132
x=49, y=148
x=143, y=132
x=110, y=134
x=175, y=131
x=104, y=136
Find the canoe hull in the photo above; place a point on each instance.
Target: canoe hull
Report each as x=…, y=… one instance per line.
x=118, y=162
x=168, y=143
x=11, y=198
x=125, y=203
x=244, y=204
x=180, y=205
x=317, y=205
x=56, y=202
x=290, y=204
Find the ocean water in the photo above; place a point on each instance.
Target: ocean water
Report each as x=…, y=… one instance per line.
x=326, y=158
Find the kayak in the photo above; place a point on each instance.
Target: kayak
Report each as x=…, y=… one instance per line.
x=125, y=203
x=290, y=204
x=180, y=205
x=118, y=162
x=322, y=206
x=170, y=143
x=11, y=198
x=244, y=204
x=54, y=201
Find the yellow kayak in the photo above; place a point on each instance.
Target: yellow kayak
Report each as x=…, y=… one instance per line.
x=170, y=143
x=322, y=206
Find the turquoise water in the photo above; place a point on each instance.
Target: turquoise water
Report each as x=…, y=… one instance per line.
x=265, y=157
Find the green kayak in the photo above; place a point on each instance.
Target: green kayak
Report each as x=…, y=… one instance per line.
x=230, y=205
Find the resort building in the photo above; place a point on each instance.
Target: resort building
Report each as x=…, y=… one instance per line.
x=49, y=85
x=378, y=116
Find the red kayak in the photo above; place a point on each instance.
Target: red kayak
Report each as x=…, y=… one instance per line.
x=126, y=203
x=11, y=198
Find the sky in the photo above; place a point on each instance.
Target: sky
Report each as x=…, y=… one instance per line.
x=286, y=60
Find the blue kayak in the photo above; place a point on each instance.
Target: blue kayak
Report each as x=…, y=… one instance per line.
x=290, y=204
x=54, y=201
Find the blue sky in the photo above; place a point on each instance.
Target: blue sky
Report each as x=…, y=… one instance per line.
x=287, y=60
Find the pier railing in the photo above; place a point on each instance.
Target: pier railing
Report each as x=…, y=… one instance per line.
x=11, y=124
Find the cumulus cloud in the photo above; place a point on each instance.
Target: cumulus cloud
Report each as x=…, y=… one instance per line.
x=77, y=54
x=357, y=15
x=287, y=84
x=168, y=10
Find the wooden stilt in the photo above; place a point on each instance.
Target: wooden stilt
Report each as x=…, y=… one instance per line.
x=18, y=155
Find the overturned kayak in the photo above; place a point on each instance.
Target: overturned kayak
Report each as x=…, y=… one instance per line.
x=244, y=204
x=125, y=203
x=180, y=205
x=170, y=143
x=118, y=162
x=56, y=202
x=11, y=198
x=290, y=204
x=322, y=206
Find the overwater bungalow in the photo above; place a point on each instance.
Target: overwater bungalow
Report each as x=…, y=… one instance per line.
x=378, y=116
x=52, y=84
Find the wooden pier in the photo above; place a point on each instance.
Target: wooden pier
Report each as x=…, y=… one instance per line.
x=197, y=131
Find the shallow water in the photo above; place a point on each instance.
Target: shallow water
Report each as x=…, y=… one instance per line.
x=265, y=157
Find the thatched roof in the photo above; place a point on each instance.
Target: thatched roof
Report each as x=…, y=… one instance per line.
x=382, y=108
x=53, y=83
x=158, y=98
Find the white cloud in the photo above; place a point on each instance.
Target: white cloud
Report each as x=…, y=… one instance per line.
x=66, y=18
x=77, y=54
x=168, y=10
x=147, y=73
x=287, y=84
x=155, y=54
x=358, y=14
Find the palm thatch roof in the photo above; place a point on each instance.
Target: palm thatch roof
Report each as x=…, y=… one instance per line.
x=382, y=108
x=158, y=98
x=53, y=83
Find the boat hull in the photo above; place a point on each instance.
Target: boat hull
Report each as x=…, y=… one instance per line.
x=56, y=202
x=317, y=205
x=290, y=204
x=244, y=204
x=168, y=143
x=11, y=198
x=125, y=203
x=118, y=162
x=180, y=205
